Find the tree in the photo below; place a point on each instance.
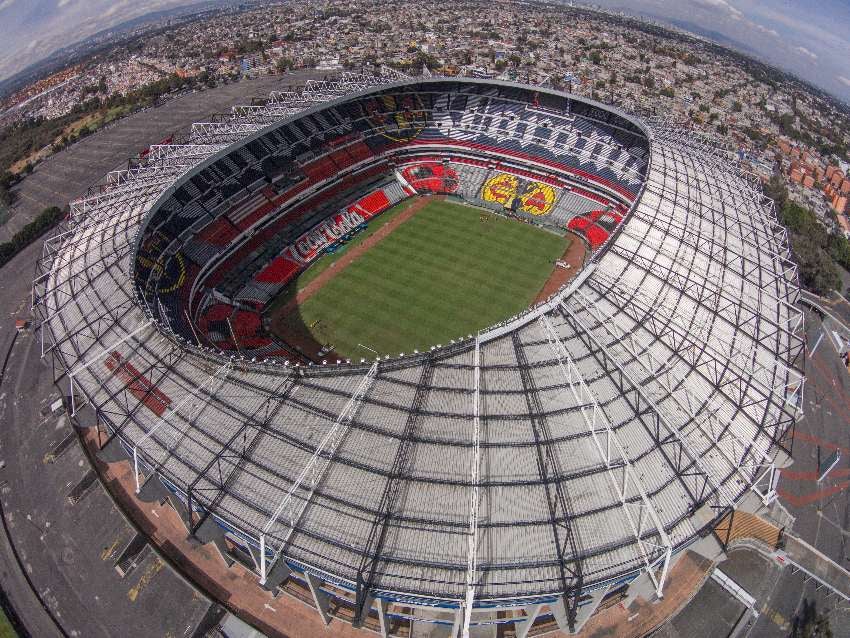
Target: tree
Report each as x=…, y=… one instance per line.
x=798, y=219
x=48, y=218
x=5, y=196
x=811, y=624
x=818, y=272
x=776, y=190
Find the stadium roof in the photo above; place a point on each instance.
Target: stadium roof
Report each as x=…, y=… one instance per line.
x=574, y=445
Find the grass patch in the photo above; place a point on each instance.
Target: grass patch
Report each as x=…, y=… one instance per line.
x=6, y=628
x=326, y=261
x=441, y=275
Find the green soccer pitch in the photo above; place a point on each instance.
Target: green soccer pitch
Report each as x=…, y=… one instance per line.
x=445, y=273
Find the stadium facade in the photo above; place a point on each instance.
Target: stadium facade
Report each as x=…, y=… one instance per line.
x=525, y=471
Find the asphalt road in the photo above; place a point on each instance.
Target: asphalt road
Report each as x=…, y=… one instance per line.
x=57, y=564
x=822, y=510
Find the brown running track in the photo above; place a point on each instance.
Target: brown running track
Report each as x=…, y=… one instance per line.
x=575, y=255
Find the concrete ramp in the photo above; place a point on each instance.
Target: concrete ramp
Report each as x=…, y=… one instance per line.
x=799, y=555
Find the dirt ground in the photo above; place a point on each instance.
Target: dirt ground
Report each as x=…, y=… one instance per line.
x=287, y=323
x=575, y=255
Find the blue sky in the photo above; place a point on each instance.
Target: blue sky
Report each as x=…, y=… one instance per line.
x=809, y=38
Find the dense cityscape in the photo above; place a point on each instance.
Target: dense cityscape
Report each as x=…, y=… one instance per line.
x=777, y=125
x=648, y=234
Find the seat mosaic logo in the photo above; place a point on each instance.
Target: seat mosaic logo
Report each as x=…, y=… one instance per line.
x=534, y=198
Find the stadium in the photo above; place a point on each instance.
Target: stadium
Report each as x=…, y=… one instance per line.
x=554, y=450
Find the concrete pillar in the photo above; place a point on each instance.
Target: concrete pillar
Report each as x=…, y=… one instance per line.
x=522, y=627
x=383, y=619
x=210, y=532
x=255, y=555
x=277, y=575
x=559, y=611
x=320, y=598
x=708, y=547
x=457, y=626
x=364, y=613
x=641, y=586
x=112, y=451
x=153, y=491
x=588, y=607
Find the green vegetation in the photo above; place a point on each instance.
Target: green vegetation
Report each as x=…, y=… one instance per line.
x=816, y=251
x=6, y=628
x=48, y=218
x=6, y=181
x=754, y=134
x=441, y=275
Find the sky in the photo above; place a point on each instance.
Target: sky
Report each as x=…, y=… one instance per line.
x=810, y=38
x=30, y=30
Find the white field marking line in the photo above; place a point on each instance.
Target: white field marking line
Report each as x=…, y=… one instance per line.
x=839, y=342
x=817, y=343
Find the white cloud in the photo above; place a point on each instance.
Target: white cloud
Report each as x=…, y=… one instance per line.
x=808, y=28
x=766, y=30
x=5, y=4
x=722, y=5
x=806, y=52
x=843, y=80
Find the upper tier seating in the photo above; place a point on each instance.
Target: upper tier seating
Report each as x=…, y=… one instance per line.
x=250, y=221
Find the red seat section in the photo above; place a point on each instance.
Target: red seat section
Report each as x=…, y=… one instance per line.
x=596, y=226
x=219, y=233
x=216, y=313
x=431, y=177
x=246, y=323
x=279, y=270
x=374, y=203
x=138, y=385
x=319, y=170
